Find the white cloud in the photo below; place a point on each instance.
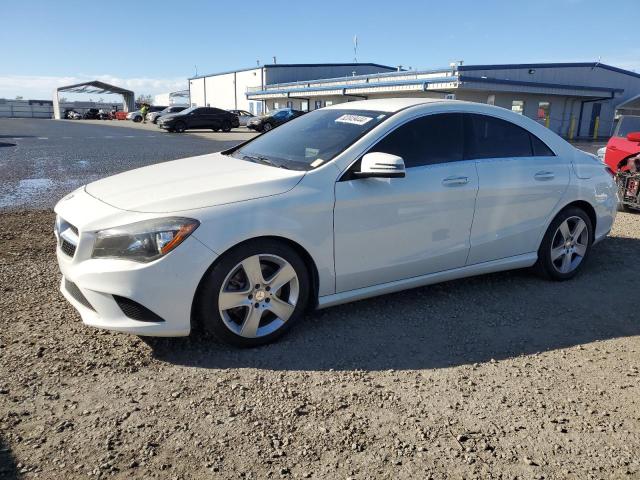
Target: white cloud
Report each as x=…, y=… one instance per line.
x=42, y=87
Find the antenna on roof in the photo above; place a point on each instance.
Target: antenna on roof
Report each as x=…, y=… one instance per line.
x=355, y=49
x=597, y=63
x=196, y=67
x=275, y=60
x=258, y=63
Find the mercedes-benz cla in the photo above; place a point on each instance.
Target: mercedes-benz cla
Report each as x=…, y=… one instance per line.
x=344, y=203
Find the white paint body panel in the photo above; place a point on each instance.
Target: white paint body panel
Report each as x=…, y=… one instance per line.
x=412, y=226
x=388, y=234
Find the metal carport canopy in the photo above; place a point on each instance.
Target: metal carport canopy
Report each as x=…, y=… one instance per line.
x=97, y=87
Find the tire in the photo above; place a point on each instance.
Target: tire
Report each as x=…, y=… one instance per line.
x=215, y=129
x=226, y=126
x=266, y=127
x=179, y=127
x=563, y=252
x=247, y=325
x=137, y=119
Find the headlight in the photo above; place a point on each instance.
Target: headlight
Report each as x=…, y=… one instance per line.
x=143, y=241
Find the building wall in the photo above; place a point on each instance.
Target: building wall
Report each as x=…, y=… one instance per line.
x=228, y=90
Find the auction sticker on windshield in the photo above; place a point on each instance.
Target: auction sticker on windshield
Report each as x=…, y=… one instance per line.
x=354, y=119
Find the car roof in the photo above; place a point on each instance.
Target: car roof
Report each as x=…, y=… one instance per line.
x=388, y=104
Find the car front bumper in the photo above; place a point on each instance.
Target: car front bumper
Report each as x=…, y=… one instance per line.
x=152, y=298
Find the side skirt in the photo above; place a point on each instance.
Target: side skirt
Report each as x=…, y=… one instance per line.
x=510, y=263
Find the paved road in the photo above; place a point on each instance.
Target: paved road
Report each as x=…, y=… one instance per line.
x=45, y=159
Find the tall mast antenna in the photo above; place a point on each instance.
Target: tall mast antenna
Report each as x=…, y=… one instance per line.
x=355, y=49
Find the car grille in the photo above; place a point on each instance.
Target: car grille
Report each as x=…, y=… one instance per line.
x=75, y=292
x=67, y=242
x=68, y=248
x=135, y=311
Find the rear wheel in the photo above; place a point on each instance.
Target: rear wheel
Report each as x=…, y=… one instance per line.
x=254, y=294
x=566, y=245
x=266, y=127
x=179, y=127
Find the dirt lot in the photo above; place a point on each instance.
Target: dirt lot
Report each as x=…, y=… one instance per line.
x=503, y=376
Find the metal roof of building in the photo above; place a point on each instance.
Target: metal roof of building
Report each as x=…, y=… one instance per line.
x=94, y=86
x=293, y=65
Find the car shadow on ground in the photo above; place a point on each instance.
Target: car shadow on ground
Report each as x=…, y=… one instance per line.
x=495, y=316
x=8, y=464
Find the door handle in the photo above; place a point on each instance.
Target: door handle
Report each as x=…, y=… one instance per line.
x=544, y=175
x=455, y=181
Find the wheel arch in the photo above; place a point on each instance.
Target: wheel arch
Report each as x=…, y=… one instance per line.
x=299, y=249
x=588, y=209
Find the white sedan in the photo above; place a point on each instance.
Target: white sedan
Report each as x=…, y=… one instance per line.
x=344, y=203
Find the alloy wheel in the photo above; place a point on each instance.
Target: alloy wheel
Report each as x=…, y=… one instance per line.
x=569, y=245
x=259, y=295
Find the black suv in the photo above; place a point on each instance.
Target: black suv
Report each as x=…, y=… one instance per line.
x=199, y=117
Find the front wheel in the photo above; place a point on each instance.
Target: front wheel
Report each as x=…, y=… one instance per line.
x=566, y=245
x=266, y=127
x=179, y=127
x=254, y=294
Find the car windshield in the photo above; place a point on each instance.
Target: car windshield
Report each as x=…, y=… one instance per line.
x=626, y=125
x=188, y=110
x=310, y=140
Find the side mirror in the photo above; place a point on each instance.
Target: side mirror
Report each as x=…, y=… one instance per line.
x=633, y=136
x=381, y=165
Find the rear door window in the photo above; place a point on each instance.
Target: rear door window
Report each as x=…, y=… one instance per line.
x=491, y=137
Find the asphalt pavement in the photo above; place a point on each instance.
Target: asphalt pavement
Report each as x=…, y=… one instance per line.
x=42, y=160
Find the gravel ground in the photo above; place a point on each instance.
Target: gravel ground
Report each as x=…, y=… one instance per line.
x=503, y=376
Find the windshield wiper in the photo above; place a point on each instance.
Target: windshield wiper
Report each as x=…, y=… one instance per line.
x=264, y=160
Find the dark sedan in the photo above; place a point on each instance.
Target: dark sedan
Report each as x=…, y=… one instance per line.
x=199, y=118
x=273, y=119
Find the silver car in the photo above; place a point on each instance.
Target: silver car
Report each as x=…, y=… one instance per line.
x=243, y=116
x=154, y=116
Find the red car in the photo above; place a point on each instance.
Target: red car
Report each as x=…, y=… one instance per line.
x=624, y=144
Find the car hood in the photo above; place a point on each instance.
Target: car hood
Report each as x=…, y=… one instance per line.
x=192, y=183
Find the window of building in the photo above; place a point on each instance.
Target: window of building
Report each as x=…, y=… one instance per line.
x=517, y=106
x=318, y=104
x=304, y=105
x=426, y=140
x=544, y=109
x=490, y=137
x=259, y=108
x=491, y=100
x=289, y=104
x=276, y=105
x=251, y=108
x=328, y=103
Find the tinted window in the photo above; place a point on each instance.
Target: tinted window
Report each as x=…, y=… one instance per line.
x=540, y=149
x=490, y=137
x=426, y=140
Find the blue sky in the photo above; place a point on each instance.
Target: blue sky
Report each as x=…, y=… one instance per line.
x=153, y=46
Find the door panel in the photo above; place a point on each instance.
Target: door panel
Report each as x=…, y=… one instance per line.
x=391, y=229
x=515, y=200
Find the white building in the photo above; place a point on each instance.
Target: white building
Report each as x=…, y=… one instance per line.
x=180, y=97
x=573, y=99
x=228, y=90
